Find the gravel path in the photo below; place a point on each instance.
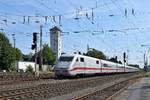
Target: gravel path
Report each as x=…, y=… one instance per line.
x=138, y=91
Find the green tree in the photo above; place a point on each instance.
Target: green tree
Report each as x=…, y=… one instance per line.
x=112, y=59
x=134, y=65
x=48, y=55
x=7, y=53
x=115, y=60
x=96, y=54
x=28, y=57
x=119, y=62
x=18, y=54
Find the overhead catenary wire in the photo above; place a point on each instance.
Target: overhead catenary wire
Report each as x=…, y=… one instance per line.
x=2, y=3
x=43, y=4
x=132, y=23
x=73, y=13
x=56, y=12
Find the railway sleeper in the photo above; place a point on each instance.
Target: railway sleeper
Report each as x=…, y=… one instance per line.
x=107, y=92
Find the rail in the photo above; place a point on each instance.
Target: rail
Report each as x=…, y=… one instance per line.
x=109, y=92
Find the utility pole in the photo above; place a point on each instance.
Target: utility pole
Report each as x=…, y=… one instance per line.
x=88, y=48
x=127, y=58
x=124, y=60
x=145, y=57
x=14, y=40
x=36, y=60
x=41, y=57
x=145, y=62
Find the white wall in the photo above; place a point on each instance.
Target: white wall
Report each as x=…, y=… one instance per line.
x=23, y=66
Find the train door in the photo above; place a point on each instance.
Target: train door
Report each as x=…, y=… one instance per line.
x=117, y=68
x=98, y=65
x=76, y=66
x=82, y=65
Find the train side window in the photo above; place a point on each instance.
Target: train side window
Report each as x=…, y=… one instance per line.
x=82, y=59
x=97, y=62
x=105, y=65
x=77, y=60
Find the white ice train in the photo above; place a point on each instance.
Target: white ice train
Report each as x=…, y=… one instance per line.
x=75, y=64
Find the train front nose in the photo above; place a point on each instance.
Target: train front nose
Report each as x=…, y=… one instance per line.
x=62, y=72
x=63, y=65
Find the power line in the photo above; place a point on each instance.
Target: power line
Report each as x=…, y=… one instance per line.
x=131, y=23
x=2, y=3
x=63, y=14
x=46, y=6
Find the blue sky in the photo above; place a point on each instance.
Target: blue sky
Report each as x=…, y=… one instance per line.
x=132, y=30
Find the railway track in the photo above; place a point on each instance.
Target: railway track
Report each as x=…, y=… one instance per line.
x=109, y=92
x=11, y=78
x=43, y=91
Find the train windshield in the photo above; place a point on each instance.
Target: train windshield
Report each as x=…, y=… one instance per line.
x=65, y=58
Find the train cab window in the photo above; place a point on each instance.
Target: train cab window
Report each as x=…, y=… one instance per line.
x=82, y=59
x=97, y=62
x=66, y=58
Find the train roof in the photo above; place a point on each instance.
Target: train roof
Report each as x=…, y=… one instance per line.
x=78, y=55
x=104, y=61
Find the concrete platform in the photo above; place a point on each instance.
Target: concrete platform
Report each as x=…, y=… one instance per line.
x=138, y=91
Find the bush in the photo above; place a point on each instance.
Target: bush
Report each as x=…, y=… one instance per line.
x=29, y=69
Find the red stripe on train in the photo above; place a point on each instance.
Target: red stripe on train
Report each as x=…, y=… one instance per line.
x=84, y=68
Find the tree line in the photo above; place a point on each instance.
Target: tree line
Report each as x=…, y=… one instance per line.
x=10, y=55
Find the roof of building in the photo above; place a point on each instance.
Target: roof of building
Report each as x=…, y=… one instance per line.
x=55, y=28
